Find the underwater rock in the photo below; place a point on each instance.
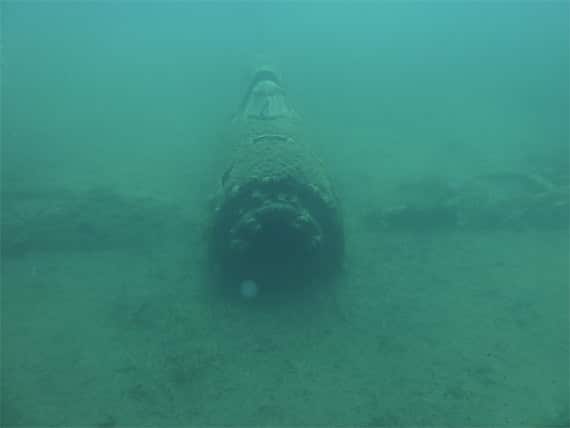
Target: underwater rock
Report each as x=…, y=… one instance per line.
x=275, y=212
x=511, y=199
x=97, y=219
x=502, y=200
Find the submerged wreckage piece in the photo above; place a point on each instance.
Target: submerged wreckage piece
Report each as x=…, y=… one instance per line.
x=276, y=215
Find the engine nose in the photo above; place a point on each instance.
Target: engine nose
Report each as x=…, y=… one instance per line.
x=276, y=231
x=276, y=211
x=266, y=101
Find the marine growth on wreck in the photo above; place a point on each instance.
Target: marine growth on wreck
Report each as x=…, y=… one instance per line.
x=276, y=214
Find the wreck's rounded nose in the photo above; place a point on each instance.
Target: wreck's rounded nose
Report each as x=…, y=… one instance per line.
x=276, y=213
x=266, y=72
x=278, y=225
x=276, y=232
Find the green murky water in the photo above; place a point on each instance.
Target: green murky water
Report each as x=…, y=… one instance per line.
x=444, y=127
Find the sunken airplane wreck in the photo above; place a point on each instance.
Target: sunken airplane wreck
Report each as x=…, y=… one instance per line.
x=276, y=216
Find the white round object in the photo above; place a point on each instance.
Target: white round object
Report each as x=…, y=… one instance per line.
x=248, y=289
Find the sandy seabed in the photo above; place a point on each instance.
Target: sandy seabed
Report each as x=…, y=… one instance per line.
x=449, y=328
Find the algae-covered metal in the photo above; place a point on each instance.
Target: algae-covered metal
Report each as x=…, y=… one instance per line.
x=275, y=212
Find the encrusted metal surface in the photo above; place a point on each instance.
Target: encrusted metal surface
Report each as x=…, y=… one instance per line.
x=275, y=211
